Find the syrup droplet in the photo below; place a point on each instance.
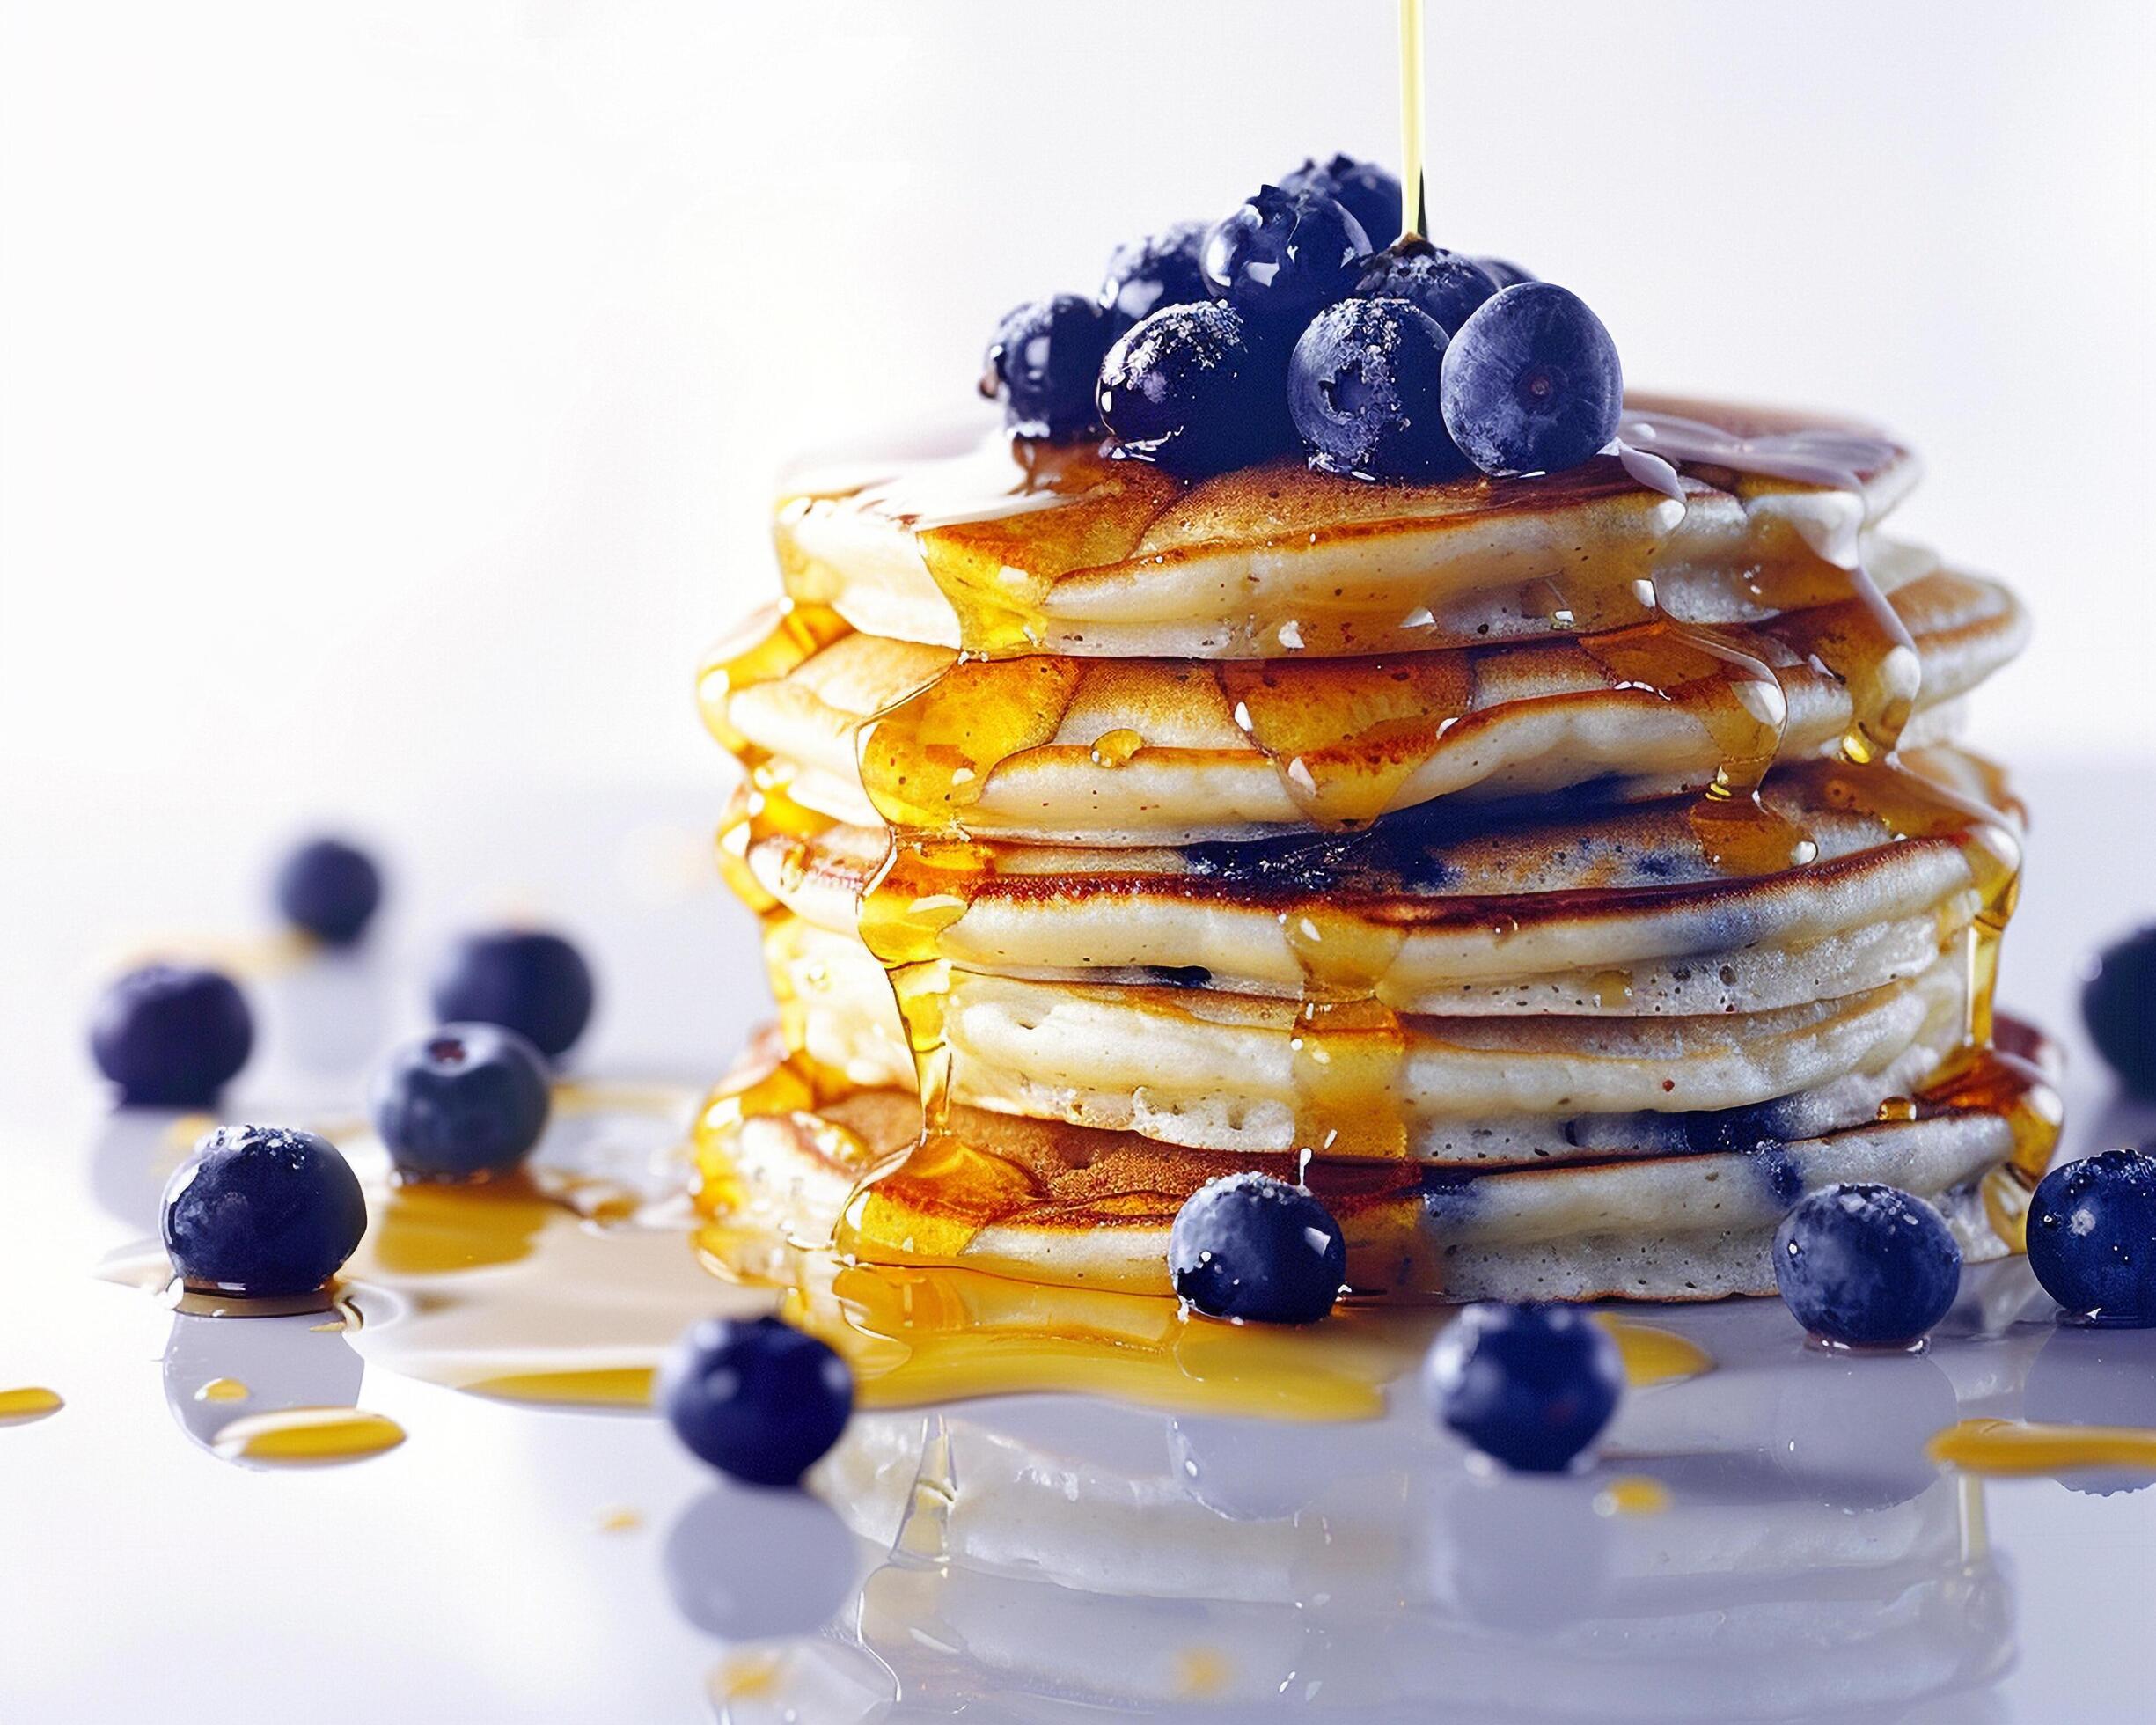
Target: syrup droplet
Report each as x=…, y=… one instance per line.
x=223, y=1390
x=20, y=1408
x=308, y=1436
x=1634, y=1495
x=2018, y=1447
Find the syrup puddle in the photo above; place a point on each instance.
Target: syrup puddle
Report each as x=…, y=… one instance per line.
x=2015, y=1447
x=308, y=1437
x=21, y=1407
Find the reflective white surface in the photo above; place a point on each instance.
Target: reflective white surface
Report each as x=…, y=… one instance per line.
x=1036, y=1558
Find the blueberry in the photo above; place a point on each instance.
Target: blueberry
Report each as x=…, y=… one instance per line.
x=1249, y=1246
x=1362, y=391
x=1372, y=195
x=755, y=1398
x=1866, y=1266
x=2119, y=1003
x=262, y=1210
x=1164, y=268
x=2092, y=1236
x=1042, y=361
x=329, y=889
x=1529, y=1385
x=1445, y=284
x=1284, y=256
x=1532, y=383
x=1190, y=389
x=470, y=1099
x=171, y=1035
x=536, y=984
x=1503, y=273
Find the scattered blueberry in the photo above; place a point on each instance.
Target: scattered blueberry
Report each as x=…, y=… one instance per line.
x=1503, y=273
x=2092, y=1236
x=2119, y=1003
x=1249, y=1246
x=536, y=984
x=329, y=889
x=1532, y=383
x=1164, y=268
x=1444, y=284
x=1284, y=256
x=1372, y=195
x=262, y=1210
x=1190, y=389
x=171, y=1035
x=1529, y=1385
x=1362, y=392
x=1866, y=1266
x=756, y=1399
x=467, y=1100
x=1042, y=361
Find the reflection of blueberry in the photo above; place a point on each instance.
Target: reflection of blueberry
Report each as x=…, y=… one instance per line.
x=2092, y=1236
x=1160, y=269
x=720, y=1567
x=262, y=1210
x=466, y=1099
x=278, y=1362
x=1284, y=256
x=1189, y=388
x=756, y=1399
x=1042, y=361
x=1850, y=1430
x=1362, y=391
x=2089, y=1377
x=1443, y=285
x=1247, y=1245
x=1529, y=1385
x=1865, y=1265
x=171, y=1035
x=535, y=983
x=2119, y=1002
x=1371, y=194
x=1532, y=383
x=1525, y=1556
x=329, y=889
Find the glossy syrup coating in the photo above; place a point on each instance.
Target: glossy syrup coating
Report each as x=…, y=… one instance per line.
x=1042, y=362
x=262, y=1211
x=1866, y=1266
x=1531, y=1386
x=2091, y=1237
x=1284, y=256
x=1164, y=268
x=172, y=1035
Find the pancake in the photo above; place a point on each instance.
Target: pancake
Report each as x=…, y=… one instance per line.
x=1221, y=1071
x=1008, y=546
x=1096, y=752
x=1565, y=908
x=1045, y=1202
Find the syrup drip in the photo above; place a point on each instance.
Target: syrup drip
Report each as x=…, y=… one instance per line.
x=2015, y=1447
x=308, y=1436
x=20, y=1407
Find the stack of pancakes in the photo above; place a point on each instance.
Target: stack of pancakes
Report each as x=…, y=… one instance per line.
x=1559, y=875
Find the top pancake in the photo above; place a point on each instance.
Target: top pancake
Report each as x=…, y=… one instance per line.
x=1012, y=547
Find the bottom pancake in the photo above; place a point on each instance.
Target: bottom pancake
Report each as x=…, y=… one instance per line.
x=1049, y=1202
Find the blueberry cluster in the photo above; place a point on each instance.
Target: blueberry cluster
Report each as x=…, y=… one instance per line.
x=1305, y=319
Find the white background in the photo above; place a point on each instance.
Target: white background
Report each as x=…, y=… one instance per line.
x=391, y=390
